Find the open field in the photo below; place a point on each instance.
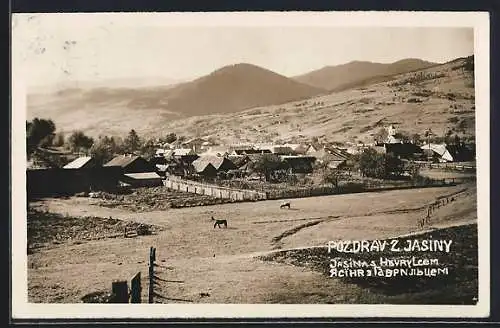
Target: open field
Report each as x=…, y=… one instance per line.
x=195, y=258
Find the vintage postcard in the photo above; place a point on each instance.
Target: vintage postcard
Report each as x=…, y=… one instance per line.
x=250, y=165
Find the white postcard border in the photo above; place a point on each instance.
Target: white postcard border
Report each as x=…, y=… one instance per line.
x=21, y=309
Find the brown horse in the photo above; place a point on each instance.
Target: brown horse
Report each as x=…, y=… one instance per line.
x=219, y=222
x=286, y=204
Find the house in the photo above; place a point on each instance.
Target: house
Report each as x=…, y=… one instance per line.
x=392, y=140
x=298, y=164
x=145, y=179
x=449, y=153
x=131, y=164
x=194, y=144
x=282, y=150
x=238, y=152
x=185, y=155
x=320, y=153
x=439, y=150
x=313, y=148
x=462, y=153
x=299, y=149
x=204, y=168
x=81, y=163
x=221, y=164
x=259, y=151
x=336, y=157
x=61, y=181
x=403, y=150
x=239, y=160
x=179, y=152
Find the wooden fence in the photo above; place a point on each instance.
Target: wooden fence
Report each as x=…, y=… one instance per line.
x=177, y=184
x=297, y=192
x=465, y=166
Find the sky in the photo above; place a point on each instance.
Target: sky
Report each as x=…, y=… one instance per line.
x=51, y=49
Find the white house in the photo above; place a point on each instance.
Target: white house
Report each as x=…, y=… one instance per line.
x=439, y=149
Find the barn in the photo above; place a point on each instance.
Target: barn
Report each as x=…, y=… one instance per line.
x=145, y=179
x=204, y=168
x=131, y=164
x=83, y=162
x=221, y=164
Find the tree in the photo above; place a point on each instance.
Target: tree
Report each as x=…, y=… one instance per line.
x=469, y=64
x=403, y=136
x=416, y=138
x=148, y=149
x=78, y=141
x=413, y=169
x=267, y=164
x=393, y=166
x=332, y=176
x=132, y=142
x=104, y=149
x=371, y=163
x=39, y=132
x=171, y=137
x=58, y=140
x=381, y=135
x=447, y=136
x=375, y=165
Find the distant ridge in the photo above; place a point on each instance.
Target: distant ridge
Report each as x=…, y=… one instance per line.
x=357, y=73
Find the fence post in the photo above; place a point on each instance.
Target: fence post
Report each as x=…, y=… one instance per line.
x=152, y=259
x=135, y=288
x=119, y=289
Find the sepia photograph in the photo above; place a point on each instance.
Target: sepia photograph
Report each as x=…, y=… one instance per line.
x=308, y=164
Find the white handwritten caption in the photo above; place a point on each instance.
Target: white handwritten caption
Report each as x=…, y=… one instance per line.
x=397, y=266
x=393, y=245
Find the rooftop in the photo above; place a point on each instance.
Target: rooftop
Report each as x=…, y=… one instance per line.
x=78, y=163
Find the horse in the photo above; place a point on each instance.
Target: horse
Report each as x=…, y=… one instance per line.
x=285, y=204
x=219, y=222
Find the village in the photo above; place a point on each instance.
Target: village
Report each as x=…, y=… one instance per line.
x=251, y=167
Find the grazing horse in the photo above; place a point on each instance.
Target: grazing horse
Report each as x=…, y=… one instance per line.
x=285, y=204
x=219, y=222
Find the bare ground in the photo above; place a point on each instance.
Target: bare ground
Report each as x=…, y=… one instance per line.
x=196, y=260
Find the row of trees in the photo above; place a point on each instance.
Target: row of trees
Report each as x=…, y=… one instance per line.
x=41, y=133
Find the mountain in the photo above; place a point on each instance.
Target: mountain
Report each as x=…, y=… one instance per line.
x=227, y=90
x=357, y=73
x=117, y=83
x=440, y=97
x=234, y=88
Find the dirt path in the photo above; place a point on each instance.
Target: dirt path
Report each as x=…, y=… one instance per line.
x=194, y=258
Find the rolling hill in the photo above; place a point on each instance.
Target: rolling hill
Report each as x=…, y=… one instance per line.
x=227, y=90
x=440, y=97
x=358, y=73
x=234, y=88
